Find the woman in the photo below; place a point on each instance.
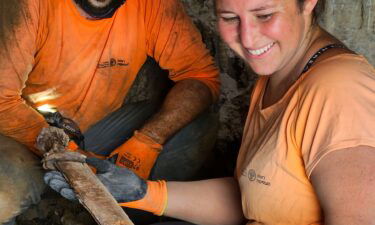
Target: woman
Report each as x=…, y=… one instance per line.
x=308, y=149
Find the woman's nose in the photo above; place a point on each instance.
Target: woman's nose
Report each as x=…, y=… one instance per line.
x=249, y=34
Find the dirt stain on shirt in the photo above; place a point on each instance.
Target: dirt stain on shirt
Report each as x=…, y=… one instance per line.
x=11, y=12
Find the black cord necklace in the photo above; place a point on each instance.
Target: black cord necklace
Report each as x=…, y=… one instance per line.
x=319, y=53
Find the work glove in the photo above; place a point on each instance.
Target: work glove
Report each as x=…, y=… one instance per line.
x=126, y=187
x=138, y=154
x=73, y=147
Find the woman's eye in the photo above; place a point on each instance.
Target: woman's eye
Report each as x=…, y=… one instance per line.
x=229, y=19
x=264, y=17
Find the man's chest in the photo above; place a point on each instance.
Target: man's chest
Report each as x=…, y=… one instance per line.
x=112, y=52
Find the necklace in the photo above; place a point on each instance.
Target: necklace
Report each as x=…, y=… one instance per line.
x=319, y=53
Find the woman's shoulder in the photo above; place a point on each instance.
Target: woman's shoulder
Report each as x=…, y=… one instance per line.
x=340, y=72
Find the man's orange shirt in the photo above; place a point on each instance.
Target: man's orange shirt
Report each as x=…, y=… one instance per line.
x=84, y=68
x=331, y=107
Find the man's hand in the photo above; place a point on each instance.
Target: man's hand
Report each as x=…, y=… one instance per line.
x=138, y=154
x=123, y=184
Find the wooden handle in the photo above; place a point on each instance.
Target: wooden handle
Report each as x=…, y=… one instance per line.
x=93, y=195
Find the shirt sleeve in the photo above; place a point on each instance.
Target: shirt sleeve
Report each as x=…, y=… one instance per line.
x=336, y=111
x=177, y=45
x=18, y=38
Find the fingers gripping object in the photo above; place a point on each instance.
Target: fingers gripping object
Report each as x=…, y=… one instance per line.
x=138, y=154
x=129, y=189
x=57, y=182
x=124, y=185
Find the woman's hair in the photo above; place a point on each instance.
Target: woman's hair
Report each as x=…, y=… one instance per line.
x=318, y=10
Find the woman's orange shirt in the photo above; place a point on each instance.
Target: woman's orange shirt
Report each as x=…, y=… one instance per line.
x=331, y=107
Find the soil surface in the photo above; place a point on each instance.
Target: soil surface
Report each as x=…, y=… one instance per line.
x=55, y=210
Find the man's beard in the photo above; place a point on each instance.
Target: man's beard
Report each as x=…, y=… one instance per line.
x=101, y=10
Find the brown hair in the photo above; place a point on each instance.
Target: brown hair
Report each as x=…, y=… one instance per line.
x=318, y=10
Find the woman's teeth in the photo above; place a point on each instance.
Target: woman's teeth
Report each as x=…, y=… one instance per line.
x=262, y=50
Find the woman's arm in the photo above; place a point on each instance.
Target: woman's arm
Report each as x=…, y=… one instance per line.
x=214, y=201
x=344, y=181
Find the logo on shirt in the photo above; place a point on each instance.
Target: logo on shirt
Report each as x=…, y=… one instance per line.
x=112, y=62
x=251, y=175
x=254, y=177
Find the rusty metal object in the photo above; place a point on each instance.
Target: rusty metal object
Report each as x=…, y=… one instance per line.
x=91, y=193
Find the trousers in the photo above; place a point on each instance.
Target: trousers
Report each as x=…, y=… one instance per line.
x=183, y=155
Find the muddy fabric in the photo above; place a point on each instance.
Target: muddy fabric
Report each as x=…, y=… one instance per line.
x=21, y=179
x=84, y=68
x=331, y=107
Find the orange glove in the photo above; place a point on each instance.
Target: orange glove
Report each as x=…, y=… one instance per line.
x=155, y=200
x=138, y=154
x=73, y=147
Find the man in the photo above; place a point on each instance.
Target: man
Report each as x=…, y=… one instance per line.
x=82, y=57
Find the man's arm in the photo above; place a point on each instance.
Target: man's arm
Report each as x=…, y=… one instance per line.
x=174, y=42
x=19, y=28
x=183, y=103
x=344, y=181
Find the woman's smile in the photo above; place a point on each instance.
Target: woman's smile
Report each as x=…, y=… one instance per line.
x=260, y=52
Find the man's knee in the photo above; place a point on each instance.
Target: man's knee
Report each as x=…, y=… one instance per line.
x=21, y=178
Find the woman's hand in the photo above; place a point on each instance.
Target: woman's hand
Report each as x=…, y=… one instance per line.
x=123, y=184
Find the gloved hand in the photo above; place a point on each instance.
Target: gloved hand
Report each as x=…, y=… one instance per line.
x=73, y=147
x=138, y=154
x=125, y=186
